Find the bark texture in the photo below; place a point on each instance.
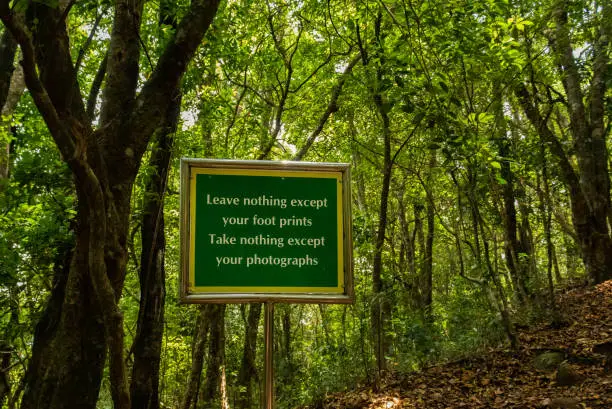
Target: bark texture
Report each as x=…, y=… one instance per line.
x=8, y=49
x=216, y=357
x=248, y=368
x=82, y=320
x=588, y=182
x=190, y=398
x=148, y=340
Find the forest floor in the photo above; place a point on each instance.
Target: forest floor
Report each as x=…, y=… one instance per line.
x=500, y=378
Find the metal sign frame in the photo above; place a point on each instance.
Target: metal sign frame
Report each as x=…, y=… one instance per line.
x=190, y=293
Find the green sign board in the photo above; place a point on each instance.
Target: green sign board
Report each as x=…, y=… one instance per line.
x=259, y=230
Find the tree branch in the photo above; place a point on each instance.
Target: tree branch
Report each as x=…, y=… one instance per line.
x=285, y=88
x=600, y=68
x=248, y=87
x=43, y=102
x=8, y=49
x=85, y=46
x=122, y=69
x=569, y=72
x=95, y=87
x=156, y=93
x=312, y=74
x=332, y=107
x=53, y=61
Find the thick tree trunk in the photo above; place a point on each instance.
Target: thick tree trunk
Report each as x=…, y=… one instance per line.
x=70, y=339
x=589, y=223
x=83, y=319
x=589, y=134
x=148, y=340
x=589, y=183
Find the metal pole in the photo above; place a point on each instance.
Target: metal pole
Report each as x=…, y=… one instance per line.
x=269, y=355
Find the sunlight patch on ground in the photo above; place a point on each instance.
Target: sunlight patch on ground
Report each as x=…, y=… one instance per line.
x=386, y=402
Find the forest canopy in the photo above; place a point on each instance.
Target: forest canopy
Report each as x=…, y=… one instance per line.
x=478, y=135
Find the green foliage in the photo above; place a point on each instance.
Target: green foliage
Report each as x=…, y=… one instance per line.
x=264, y=76
x=36, y=213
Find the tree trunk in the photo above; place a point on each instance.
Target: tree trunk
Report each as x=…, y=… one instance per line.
x=513, y=249
x=82, y=319
x=7, y=349
x=147, y=345
x=8, y=49
x=418, y=254
x=546, y=216
x=11, y=88
x=588, y=130
x=248, y=368
x=498, y=299
x=380, y=304
x=5, y=364
x=286, y=341
x=379, y=301
x=358, y=175
x=197, y=361
x=427, y=264
x=216, y=357
x=590, y=222
x=556, y=269
x=589, y=184
x=509, y=217
x=502, y=303
x=69, y=346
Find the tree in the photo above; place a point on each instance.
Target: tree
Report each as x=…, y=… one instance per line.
x=11, y=87
x=248, y=367
x=475, y=186
x=584, y=113
x=82, y=319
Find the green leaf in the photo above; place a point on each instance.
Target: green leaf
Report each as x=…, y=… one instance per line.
x=500, y=179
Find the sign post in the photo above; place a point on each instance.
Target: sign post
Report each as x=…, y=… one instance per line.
x=263, y=231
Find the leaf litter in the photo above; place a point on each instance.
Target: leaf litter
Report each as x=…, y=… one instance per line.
x=503, y=378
